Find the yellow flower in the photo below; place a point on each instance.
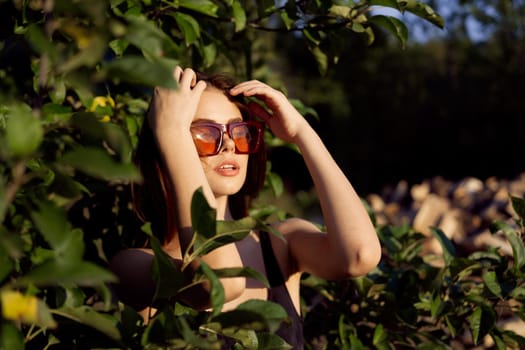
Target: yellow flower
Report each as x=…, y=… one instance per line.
x=19, y=307
x=102, y=101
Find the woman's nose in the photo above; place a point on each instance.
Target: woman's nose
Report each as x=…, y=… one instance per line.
x=227, y=143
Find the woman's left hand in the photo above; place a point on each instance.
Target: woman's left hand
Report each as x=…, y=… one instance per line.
x=282, y=117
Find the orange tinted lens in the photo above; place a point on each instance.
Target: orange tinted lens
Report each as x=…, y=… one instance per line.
x=206, y=139
x=245, y=138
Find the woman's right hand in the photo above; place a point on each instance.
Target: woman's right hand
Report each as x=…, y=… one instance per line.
x=174, y=109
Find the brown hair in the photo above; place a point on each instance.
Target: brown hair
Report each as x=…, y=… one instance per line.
x=153, y=198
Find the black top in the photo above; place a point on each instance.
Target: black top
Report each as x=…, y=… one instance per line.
x=291, y=332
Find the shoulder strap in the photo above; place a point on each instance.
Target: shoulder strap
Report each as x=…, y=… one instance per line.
x=273, y=271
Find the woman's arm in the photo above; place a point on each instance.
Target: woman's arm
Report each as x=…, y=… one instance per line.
x=350, y=246
x=170, y=118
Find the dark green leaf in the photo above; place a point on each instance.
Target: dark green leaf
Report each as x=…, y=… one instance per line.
x=40, y=42
x=56, y=113
x=203, y=216
x=481, y=321
x=276, y=183
x=269, y=341
x=242, y=272
x=449, y=252
x=253, y=314
x=206, y=7
x=491, y=282
x=138, y=70
x=10, y=337
x=518, y=204
x=394, y=26
x=12, y=244
x=189, y=27
x=216, y=288
x=147, y=36
x=518, y=249
x=98, y=163
x=475, y=323
x=86, y=315
x=273, y=313
x=52, y=223
x=6, y=264
x=168, y=278
x=53, y=272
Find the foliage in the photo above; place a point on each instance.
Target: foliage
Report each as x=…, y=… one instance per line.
x=412, y=302
x=76, y=77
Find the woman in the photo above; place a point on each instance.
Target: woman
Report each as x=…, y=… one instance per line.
x=202, y=136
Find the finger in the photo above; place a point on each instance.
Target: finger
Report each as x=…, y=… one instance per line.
x=245, y=86
x=177, y=73
x=188, y=78
x=200, y=87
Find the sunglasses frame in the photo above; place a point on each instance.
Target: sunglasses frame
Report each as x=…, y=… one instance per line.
x=227, y=128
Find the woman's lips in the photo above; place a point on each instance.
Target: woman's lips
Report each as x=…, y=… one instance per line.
x=228, y=168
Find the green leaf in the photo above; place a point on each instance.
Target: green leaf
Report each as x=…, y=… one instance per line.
x=53, y=272
x=216, y=288
x=239, y=16
x=44, y=317
x=422, y=10
x=189, y=27
x=475, y=323
x=147, y=36
x=449, y=252
x=242, y=272
x=138, y=70
x=394, y=26
x=98, y=163
x=246, y=337
x=225, y=232
x=274, y=314
x=518, y=249
x=56, y=113
x=52, y=223
x=10, y=337
x=206, y=7
x=386, y=3
x=6, y=264
x=208, y=53
x=24, y=132
x=241, y=319
x=203, y=216
x=87, y=316
x=481, y=321
x=168, y=278
x=40, y=42
x=270, y=341
x=518, y=204
x=276, y=183
x=380, y=336
x=321, y=59
x=491, y=282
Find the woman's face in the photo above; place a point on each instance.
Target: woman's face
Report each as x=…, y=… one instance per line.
x=226, y=171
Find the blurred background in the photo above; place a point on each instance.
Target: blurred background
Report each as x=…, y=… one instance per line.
x=450, y=104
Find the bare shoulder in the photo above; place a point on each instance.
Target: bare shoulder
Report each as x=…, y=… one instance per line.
x=135, y=285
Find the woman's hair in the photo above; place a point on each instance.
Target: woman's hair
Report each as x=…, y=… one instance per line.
x=153, y=198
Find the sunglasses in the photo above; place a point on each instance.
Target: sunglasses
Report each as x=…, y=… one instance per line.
x=208, y=137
